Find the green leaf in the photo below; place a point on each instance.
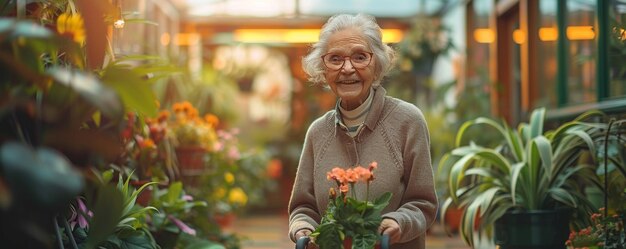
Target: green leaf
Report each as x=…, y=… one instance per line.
x=515, y=175
x=536, y=122
x=41, y=177
x=90, y=89
x=134, y=91
x=563, y=196
x=138, y=239
x=107, y=213
x=205, y=244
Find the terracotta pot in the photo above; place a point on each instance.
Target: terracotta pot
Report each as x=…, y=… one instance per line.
x=453, y=219
x=144, y=197
x=226, y=220
x=190, y=159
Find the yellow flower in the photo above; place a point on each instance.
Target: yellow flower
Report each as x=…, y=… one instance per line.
x=219, y=193
x=72, y=26
x=229, y=177
x=237, y=196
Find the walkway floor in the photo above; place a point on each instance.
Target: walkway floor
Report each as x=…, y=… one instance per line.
x=269, y=231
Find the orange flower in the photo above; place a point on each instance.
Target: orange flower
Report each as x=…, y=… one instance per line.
x=364, y=174
x=373, y=166
x=163, y=116
x=337, y=174
x=351, y=176
x=212, y=119
x=344, y=188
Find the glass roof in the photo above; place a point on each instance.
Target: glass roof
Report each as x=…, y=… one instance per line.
x=292, y=8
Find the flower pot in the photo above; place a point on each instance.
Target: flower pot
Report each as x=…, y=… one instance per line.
x=453, y=219
x=225, y=221
x=190, y=159
x=536, y=229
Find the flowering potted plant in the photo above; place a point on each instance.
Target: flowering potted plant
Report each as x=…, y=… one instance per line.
x=195, y=136
x=523, y=191
x=349, y=221
x=604, y=232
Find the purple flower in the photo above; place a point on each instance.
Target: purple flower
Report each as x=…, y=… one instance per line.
x=183, y=227
x=82, y=221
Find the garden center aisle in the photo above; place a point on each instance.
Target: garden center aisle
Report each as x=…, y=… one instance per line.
x=269, y=231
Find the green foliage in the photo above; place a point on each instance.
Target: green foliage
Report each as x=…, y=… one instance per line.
x=171, y=203
x=352, y=218
x=529, y=170
x=40, y=178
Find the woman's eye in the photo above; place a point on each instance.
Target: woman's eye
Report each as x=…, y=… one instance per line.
x=335, y=58
x=359, y=57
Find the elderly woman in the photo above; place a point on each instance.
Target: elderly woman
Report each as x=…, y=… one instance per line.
x=365, y=126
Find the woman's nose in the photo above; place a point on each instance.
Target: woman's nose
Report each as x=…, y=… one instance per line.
x=347, y=65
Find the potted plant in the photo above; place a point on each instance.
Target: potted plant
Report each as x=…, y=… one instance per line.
x=604, y=232
x=195, y=136
x=350, y=222
x=173, y=206
x=531, y=177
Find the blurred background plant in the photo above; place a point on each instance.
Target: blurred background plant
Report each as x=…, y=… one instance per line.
x=235, y=179
x=604, y=232
x=148, y=148
x=190, y=129
x=69, y=154
x=427, y=38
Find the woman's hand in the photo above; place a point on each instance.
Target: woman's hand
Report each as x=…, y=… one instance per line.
x=391, y=228
x=306, y=232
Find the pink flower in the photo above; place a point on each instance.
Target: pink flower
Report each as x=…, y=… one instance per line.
x=183, y=227
x=233, y=153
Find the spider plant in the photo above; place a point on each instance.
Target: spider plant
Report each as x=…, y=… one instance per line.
x=528, y=169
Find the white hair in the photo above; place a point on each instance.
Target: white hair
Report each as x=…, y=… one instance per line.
x=383, y=53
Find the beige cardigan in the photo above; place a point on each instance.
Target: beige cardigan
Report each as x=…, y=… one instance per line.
x=396, y=136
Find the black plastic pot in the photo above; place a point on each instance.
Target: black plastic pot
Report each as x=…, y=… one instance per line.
x=536, y=229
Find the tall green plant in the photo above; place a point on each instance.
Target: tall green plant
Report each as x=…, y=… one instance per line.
x=529, y=170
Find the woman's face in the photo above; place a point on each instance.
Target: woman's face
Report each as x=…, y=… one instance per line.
x=350, y=84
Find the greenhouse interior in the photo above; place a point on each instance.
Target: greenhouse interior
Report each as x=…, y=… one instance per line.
x=202, y=124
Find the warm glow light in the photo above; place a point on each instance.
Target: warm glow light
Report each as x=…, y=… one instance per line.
x=484, y=35
x=392, y=35
x=580, y=33
x=519, y=36
x=187, y=39
x=548, y=34
x=573, y=33
x=297, y=35
x=118, y=24
x=165, y=39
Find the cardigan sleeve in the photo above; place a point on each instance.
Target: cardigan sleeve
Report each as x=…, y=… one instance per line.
x=303, y=211
x=419, y=203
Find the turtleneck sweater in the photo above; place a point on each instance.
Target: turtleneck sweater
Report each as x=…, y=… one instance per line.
x=353, y=119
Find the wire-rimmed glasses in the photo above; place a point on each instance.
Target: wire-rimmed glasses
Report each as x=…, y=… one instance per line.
x=359, y=60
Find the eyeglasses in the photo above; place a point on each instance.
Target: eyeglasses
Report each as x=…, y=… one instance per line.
x=359, y=60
